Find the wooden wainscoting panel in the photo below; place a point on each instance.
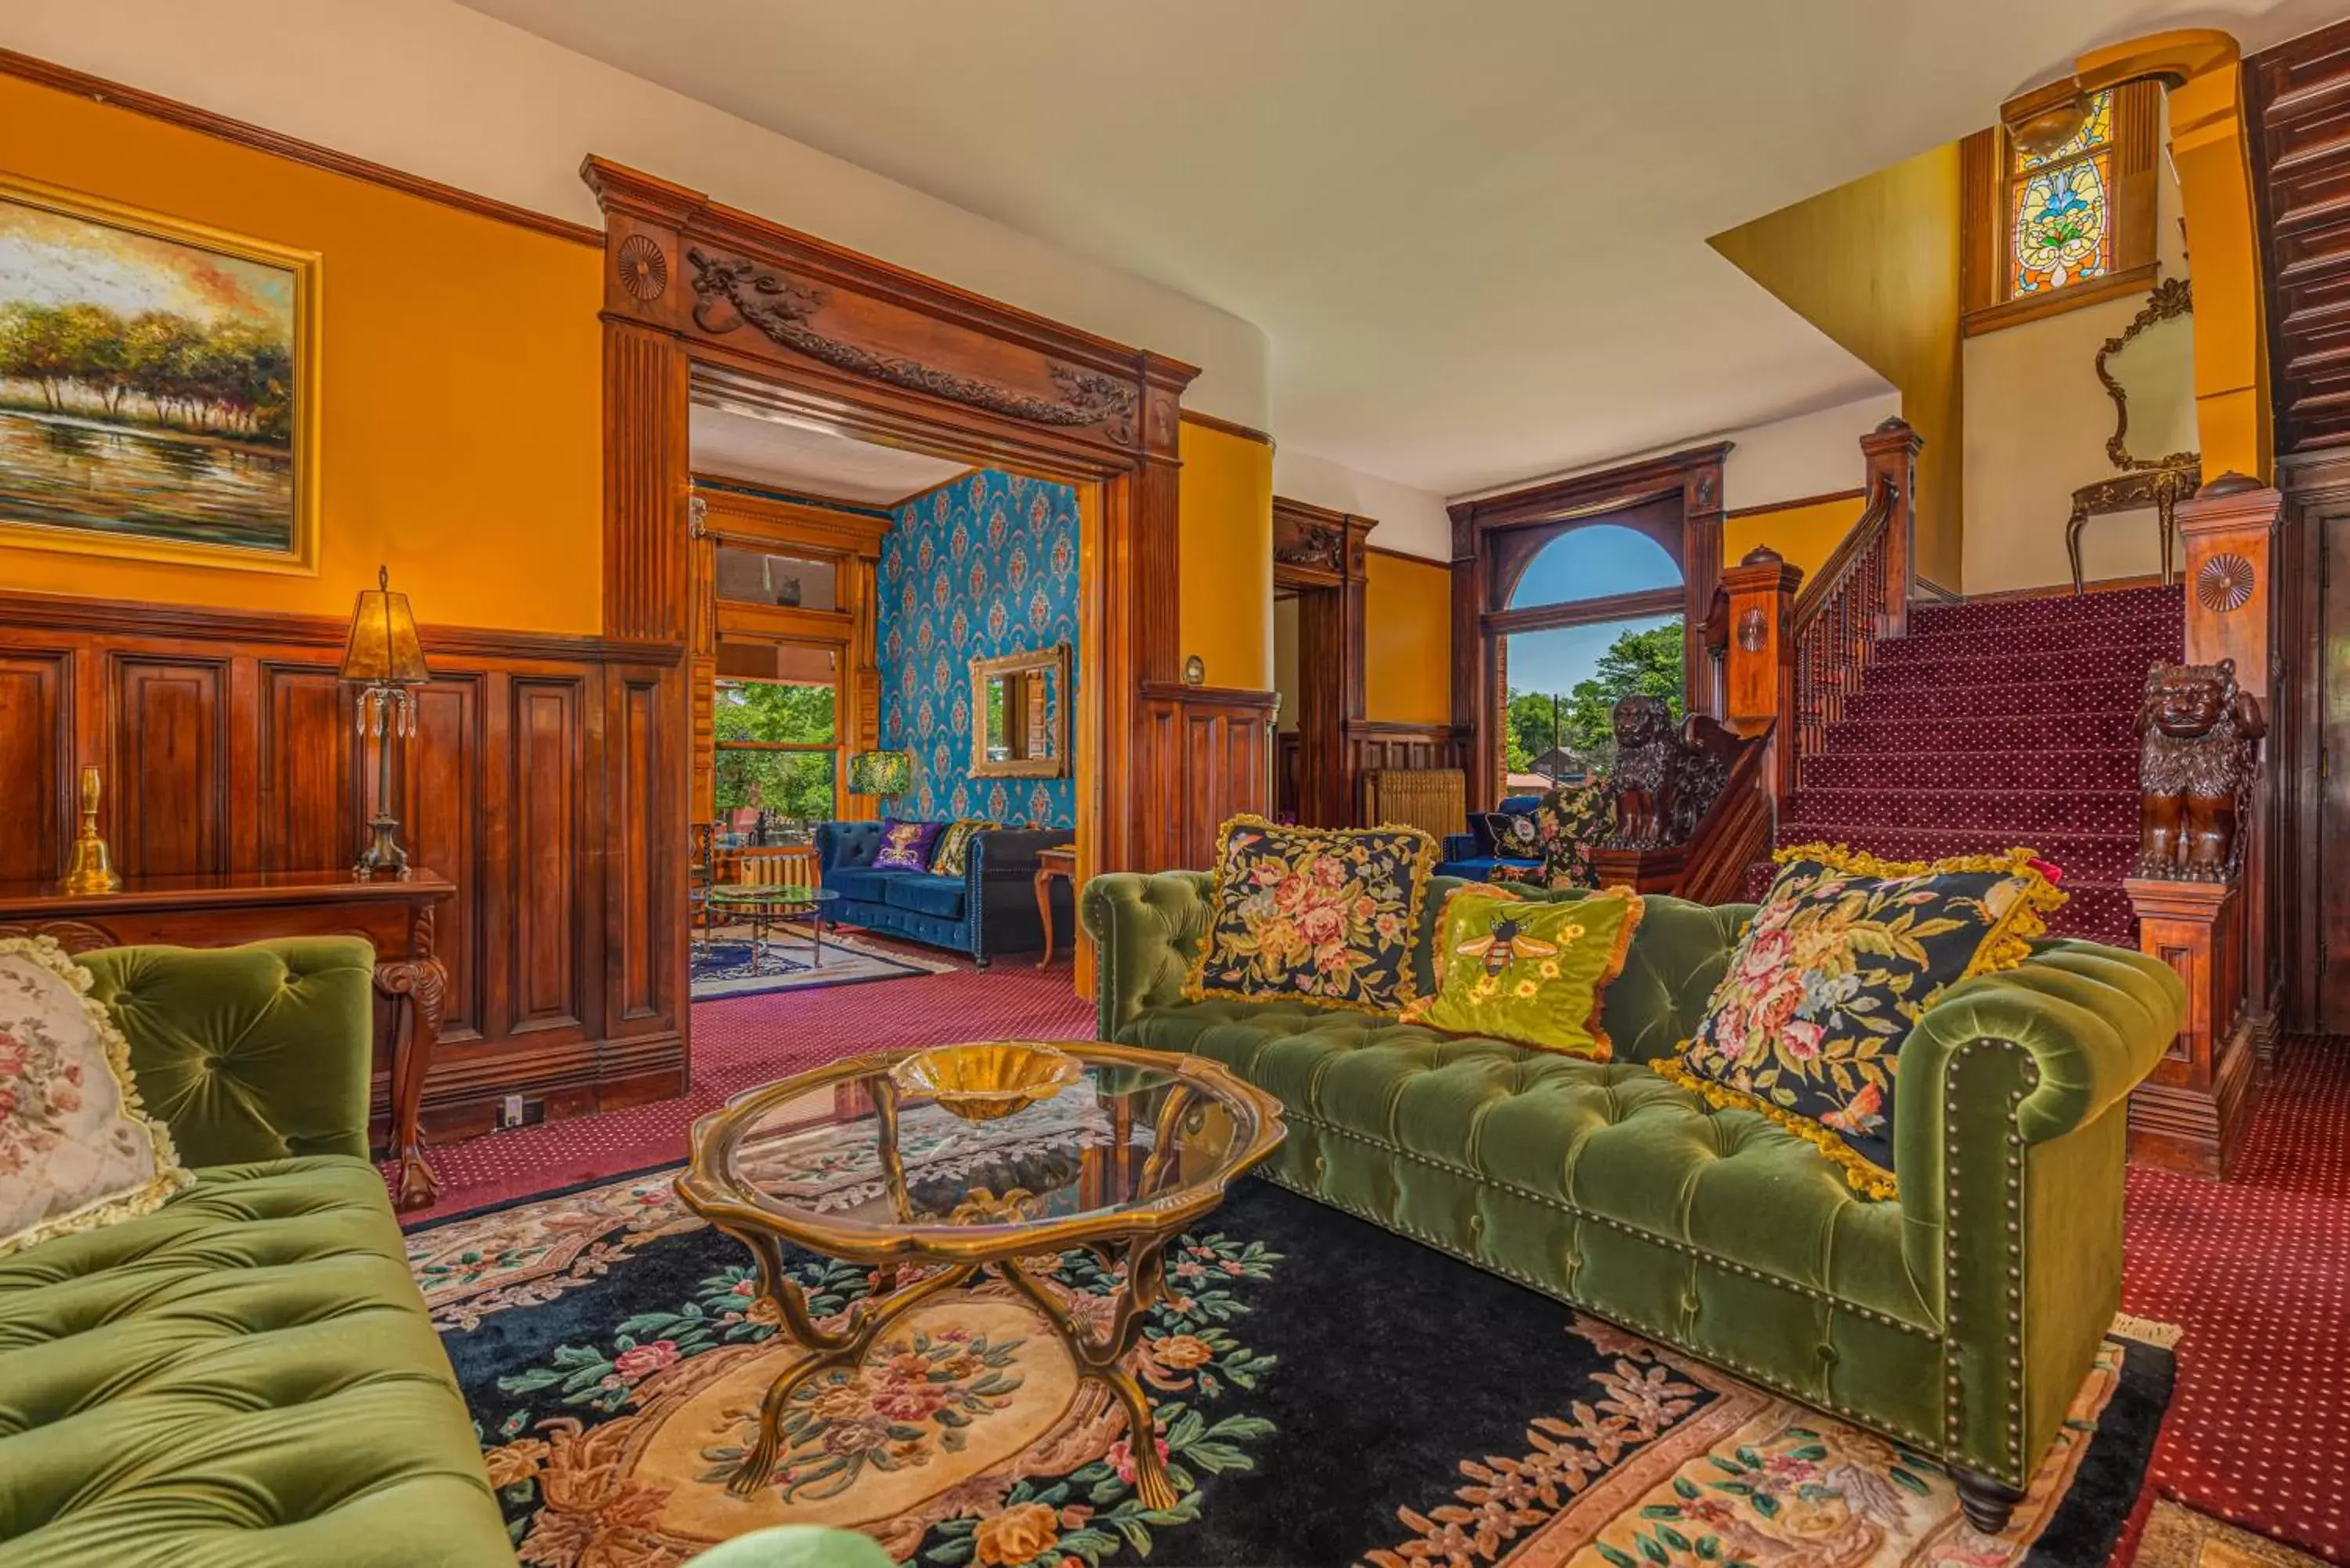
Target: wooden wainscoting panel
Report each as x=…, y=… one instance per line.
x=639, y=903
x=170, y=743
x=225, y=738
x=441, y=822
x=36, y=764
x=1209, y=758
x=306, y=774
x=1372, y=745
x=548, y=851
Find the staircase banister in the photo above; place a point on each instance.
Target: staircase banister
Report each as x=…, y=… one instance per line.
x=1884, y=501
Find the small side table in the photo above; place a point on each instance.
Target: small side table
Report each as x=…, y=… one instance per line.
x=1061, y=862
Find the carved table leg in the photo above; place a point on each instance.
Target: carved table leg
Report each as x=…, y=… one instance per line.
x=416, y=988
x=2073, y=526
x=867, y=1317
x=1044, y=913
x=1103, y=1359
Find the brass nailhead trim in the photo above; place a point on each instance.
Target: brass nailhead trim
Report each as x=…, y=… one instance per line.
x=1752, y=1374
x=2009, y=1468
x=1667, y=1242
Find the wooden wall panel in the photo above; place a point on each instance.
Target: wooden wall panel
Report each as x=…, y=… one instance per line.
x=36, y=764
x=170, y=756
x=547, y=853
x=305, y=767
x=638, y=901
x=1208, y=758
x=226, y=743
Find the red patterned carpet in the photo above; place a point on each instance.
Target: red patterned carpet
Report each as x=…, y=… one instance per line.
x=1992, y=724
x=2257, y=1270
x=740, y=1042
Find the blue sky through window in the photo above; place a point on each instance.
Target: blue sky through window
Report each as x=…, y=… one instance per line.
x=1553, y=661
x=1593, y=562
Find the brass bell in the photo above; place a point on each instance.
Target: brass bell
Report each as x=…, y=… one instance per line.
x=91, y=868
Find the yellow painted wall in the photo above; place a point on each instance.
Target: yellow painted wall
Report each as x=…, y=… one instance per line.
x=1224, y=607
x=1804, y=535
x=1407, y=640
x=1873, y=265
x=460, y=388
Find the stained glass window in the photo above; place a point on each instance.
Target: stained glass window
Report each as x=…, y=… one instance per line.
x=2060, y=214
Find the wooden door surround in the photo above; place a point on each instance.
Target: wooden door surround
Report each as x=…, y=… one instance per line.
x=697, y=293
x=1675, y=500
x=1318, y=555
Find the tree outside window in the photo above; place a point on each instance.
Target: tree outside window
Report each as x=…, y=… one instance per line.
x=777, y=751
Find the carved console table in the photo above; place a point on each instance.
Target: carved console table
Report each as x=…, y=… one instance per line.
x=396, y=917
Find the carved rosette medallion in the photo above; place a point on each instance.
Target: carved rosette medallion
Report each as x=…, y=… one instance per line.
x=2224, y=584
x=1754, y=630
x=643, y=269
x=735, y=293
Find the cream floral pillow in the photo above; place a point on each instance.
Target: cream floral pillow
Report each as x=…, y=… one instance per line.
x=75, y=1151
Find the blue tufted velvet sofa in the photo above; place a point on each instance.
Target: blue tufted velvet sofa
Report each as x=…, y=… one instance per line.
x=1472, y=856
x=989, y=909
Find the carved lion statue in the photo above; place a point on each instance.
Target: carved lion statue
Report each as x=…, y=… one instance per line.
x=2194, y=760
x=1666, y=776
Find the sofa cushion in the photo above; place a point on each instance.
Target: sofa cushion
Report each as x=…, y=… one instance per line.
x=76, y=1150
x=1843, y=959
x=1332, y=914
x=906, y=845
x=1532, y=971
x=1611, y=1142
x=863, y=884
x=941, y=896
x=246, y=1376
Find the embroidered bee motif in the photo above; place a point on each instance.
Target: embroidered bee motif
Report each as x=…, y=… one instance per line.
x=1507, y=942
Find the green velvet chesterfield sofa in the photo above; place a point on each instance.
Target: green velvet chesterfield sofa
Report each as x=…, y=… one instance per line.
x=1958, y=1319
x=246, y=1377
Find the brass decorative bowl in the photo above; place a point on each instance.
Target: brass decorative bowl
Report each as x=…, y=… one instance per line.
x=988, y=1079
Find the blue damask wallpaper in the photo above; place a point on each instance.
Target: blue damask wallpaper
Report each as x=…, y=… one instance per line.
x=985, y=566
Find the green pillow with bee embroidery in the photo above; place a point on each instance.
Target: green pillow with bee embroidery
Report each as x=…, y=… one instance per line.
x=1533, y=970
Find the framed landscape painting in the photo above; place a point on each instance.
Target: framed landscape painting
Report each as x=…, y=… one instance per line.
x=158, y=387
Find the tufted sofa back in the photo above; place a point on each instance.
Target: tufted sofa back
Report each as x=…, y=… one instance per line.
x=1679, y=954
x=249, y=1052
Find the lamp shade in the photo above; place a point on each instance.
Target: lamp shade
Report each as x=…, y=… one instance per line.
x=881, y=772
x=383, y=648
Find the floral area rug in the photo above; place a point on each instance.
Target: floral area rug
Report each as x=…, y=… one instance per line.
x=722, y=964
x=1326, y=1393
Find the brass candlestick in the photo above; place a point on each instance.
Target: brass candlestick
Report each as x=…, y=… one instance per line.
x=91, y=868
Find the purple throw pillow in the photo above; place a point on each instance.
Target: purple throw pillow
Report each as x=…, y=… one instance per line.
x=906, y=845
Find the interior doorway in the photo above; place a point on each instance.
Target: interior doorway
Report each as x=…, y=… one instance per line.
x=1318, y=566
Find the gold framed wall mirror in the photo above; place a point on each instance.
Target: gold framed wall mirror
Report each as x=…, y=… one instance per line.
x=1020, y=714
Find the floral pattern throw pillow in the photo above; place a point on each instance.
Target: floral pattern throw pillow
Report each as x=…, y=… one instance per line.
x=75, y=1151
x=951, y=857
x=1844, y=957
x=1322, y=915
x=906, y=845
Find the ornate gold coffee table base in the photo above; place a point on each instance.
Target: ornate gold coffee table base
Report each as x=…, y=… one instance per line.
x=1182, y=1128
x=1101, y=1359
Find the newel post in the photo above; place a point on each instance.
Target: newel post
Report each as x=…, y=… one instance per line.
x=2230, y=532
x=1759, y=673
x=1892, y=451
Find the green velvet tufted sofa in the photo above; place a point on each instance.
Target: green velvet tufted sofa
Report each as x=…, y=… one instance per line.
x=247, y=1377
x=1958, y=1320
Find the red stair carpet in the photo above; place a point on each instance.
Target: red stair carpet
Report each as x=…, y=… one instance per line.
x=2256, y=1269
x=2000, y=723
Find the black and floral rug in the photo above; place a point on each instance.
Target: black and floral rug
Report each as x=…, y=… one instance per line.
x=1327, y=1393
x=726, y=963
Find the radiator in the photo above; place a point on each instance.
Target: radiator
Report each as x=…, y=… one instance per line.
x=1433, y=799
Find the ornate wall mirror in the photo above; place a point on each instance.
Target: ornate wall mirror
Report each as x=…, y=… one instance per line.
x=1020, y=714
x=2149, y=373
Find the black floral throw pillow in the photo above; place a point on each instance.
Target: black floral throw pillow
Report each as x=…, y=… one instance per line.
x=1845, y=955
x=1321, y=915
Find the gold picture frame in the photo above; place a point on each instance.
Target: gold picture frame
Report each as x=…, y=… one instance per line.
x=170, y=395
x=1029, y=693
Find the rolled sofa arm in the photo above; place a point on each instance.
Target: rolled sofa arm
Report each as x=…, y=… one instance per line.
x=1147, y=930
x=2093, y=1019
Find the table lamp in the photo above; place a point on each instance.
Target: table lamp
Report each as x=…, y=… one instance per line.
x=883, y=773
x=385, y=661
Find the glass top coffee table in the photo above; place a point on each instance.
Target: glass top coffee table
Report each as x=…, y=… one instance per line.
x=960, y=1158
x=766, y=904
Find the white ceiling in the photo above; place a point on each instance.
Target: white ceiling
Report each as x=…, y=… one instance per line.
x=809, y=461
x=1474, y=233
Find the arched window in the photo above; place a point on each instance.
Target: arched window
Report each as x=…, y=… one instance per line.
x=1594, y=617
x=2048, y=228
x=1594, y=563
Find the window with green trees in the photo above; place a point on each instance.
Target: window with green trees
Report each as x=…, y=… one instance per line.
x=778, y=748
x=1572, y=729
